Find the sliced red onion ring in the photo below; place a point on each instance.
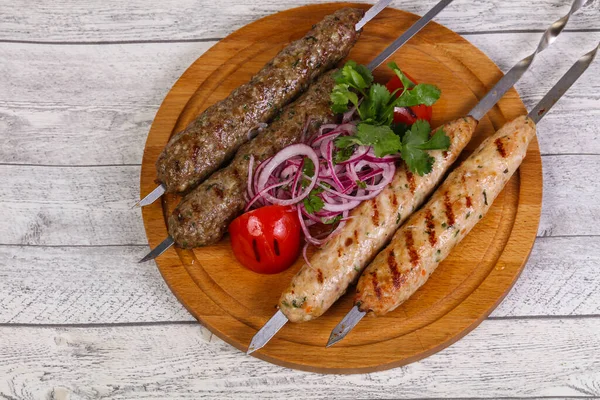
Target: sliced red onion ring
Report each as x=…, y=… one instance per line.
x=280, y=179
x=279, y=158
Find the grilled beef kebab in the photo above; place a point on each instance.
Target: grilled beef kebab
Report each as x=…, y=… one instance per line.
x=203, y=215
x=214, y=136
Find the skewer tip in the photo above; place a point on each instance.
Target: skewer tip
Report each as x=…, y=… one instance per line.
x=262, y=337
x=152, y=196
x=158, y=250
x=345, y=326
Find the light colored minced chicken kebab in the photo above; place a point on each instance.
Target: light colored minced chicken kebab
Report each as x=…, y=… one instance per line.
x=370, y=226
x=430, y=234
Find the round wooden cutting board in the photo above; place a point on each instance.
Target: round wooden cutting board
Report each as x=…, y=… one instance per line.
x=234, y=303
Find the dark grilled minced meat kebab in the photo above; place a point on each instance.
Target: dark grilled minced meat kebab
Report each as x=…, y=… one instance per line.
x=203, y=215
x=214, y=136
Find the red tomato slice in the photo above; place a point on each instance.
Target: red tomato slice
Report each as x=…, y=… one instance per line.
x=266, y=240
x=396, y=83
x=408, y=115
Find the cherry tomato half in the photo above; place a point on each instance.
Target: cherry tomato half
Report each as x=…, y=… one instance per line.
x=266, y=240
x=408, y=115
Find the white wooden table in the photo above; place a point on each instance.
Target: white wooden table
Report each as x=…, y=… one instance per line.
x=80, y=82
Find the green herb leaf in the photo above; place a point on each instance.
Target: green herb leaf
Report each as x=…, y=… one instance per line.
x=416, y=141
x=361, y=184
x=382, y=138
x=439, y=141
x=343, y=154
x=344, y=142
x=308, y=168
x=422, y=93
x=340, y=96
x=297, y=303
x=374, y=108
x=313, y=203
x=400, y=129
x=356, y=75
x=418, y=161
x=418, y=134
x=407, y=83
x=332, y=220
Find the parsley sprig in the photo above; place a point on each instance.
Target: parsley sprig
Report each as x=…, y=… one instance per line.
x=412, y=146
x=375, y=108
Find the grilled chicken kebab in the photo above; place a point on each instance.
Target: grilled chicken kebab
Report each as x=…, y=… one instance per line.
x=370, y=226
x=429, y=235
x=215, y=135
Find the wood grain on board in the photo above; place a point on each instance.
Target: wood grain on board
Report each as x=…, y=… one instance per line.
x=234, y=302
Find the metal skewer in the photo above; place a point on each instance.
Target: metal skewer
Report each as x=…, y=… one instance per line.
x=372, y=13
x=536, y=114
x=515, y=73
x=416, y=27
x=152, y=196
x=561, y=87
x=369, y=15
x=158, y=250
x=278, y=320
x=161, y=189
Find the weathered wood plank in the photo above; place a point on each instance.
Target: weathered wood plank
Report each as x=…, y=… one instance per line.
x=107, y=106
x=560, y=278
x=570, y=205
x=80, y=285
x=32, y=133
x=114, y=20
x=70, y=206
x=84, y=75
x=103, y=98
x=92, y=205
x=503, y=358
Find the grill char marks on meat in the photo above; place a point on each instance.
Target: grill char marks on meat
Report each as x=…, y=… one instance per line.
x=464, y=197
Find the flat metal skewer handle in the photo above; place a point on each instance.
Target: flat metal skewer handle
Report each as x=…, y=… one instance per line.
x=561, y=87
x=372, y=13
x=410, y=32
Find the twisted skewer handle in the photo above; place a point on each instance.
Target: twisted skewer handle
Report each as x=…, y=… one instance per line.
x=515, y=73
x=568, y=79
